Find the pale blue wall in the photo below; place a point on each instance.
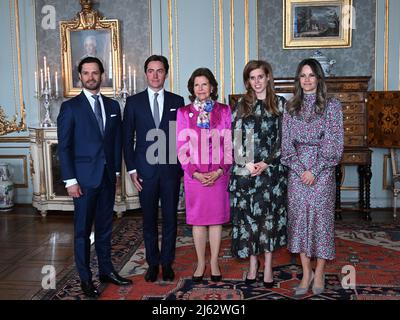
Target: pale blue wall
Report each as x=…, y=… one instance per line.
x=196, y=40
x=14, y=147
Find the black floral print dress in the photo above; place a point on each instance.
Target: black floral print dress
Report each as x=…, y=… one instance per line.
x=258, y=204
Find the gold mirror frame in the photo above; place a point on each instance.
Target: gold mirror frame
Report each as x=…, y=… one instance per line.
x=343, y=40
x=89, y=19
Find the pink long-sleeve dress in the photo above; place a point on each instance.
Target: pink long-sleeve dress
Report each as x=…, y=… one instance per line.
x=205, y=150
x=312, y=142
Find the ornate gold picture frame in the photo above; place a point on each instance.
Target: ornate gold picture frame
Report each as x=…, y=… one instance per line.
x=317, y=24
x=89, y=34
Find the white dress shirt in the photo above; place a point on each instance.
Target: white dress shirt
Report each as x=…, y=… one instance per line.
x=160, y=100
x=91, y=100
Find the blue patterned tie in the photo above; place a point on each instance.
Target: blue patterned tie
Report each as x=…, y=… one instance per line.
x=97, y=112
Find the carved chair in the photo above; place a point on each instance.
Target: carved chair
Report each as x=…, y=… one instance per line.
x=395, y=155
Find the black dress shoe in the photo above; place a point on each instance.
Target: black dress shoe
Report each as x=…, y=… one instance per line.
x=115, y=278
x=167, y=272
x=89, y=289
x=151, y=274
x=269, y=284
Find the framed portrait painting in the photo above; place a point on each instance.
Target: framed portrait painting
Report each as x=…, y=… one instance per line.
x=317, y=23
x=86, y=36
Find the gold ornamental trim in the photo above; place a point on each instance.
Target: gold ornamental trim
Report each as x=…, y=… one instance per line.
x=8, y=126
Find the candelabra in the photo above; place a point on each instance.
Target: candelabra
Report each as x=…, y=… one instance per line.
x=123, y=94
x=46, y=96
x=125, y=90
x=44, y=93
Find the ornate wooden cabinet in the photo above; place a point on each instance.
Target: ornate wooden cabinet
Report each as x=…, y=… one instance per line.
x=49, y=192
x=352, y=92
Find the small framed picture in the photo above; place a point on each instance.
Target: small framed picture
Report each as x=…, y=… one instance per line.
x=317, y=24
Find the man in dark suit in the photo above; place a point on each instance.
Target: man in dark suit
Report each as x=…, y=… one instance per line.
x=154, y=172
x=90, y=152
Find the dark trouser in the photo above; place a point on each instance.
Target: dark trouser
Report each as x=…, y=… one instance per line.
x=96, y=204
x=166, y=189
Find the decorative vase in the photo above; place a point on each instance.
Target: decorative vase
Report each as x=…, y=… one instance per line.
x=326, y=64
x=6, y=188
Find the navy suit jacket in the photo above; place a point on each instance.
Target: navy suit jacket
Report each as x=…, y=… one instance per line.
x=82, y=149
x=138, y=121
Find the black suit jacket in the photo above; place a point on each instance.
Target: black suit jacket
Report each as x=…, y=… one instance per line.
x=137, y=123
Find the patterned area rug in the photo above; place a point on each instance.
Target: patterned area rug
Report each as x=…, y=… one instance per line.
x=127, y=237
x=371, y=249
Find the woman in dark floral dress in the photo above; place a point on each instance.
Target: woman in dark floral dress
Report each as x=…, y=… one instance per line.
x=258, y=183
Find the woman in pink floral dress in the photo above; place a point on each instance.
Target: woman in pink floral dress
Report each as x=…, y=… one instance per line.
x=312, y=145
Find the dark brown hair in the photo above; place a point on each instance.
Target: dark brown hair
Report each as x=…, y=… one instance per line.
x=91, y=60
x=250, y=97
x=156, y=57
x=295, y=103
x=205, y=72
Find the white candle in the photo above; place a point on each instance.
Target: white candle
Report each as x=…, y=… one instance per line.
x=110, y=67
x=44, y=63
x=41, y=81
x=49, y=77
x=56, y=81
x=123, y=68
x=36, y=83
x=129, y=79
x=134, y=80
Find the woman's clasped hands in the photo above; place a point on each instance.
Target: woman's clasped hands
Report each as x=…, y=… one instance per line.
x=208, y=178
x=256, y=168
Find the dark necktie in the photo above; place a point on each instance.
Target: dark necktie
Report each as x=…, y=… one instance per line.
x=97, y=112
x=156, y=113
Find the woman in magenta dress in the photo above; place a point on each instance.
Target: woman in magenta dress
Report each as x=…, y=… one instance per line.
x=312, y=145
x=205, y=153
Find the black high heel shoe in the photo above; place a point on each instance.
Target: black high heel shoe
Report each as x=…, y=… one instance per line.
x=251, y=281
x=198, y=278
x=269, y=284
x=216, y=278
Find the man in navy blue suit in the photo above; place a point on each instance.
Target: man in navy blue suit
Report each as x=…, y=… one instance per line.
x=90, y=152
x=154, y=172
